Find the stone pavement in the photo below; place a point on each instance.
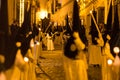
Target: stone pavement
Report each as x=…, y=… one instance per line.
x=51, y=67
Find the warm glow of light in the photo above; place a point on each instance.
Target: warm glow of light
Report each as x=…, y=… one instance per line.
x=26, y=59
x=116, y=50
x=84, y=4
x=77, y=0
x=37, y=43
x=43, y=14
x=91, y=12
x=109, y=61
x=39, y=29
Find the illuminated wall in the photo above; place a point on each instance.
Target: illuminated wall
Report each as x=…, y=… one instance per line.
x=43, y=5
x=66, y=8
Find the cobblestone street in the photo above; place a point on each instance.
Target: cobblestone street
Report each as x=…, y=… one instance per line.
x=51, y=67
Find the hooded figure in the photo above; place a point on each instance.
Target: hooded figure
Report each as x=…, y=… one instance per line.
x=76, y=27
x=94, y=48
x=115, y=42
x=115, y=37
x=75, y=58
x=67, y=32
x=25, y=33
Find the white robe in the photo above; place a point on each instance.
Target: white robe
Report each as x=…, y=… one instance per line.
x=50, y=44
x=116, y=68
x=30, y=71
x=95, y=56
x=94, y=51
x=14, y=73
x=106, y=68
x=2, y=76
x=76, y=69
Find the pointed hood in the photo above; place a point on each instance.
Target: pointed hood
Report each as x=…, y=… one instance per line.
x=77, y=36
x=116, y=21
x=68, y=29
x=115, y=37
x=7, y=47
x=25, y=33
x=77, y=27
x=76, y=20
x=4, y=16
x=109, y=19
x=3, y=25
x=26, y=26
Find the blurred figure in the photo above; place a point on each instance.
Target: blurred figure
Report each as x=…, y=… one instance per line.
x=30, y=60
x=50, y=44
x=14, y=73
x=66, y=36
x=106, y=54
x=35, y=31
x=67, y=31
x=95, y=57
x=75, y=66
x=75, y=63
x=95, y=43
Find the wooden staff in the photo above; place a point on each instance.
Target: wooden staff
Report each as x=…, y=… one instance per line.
x=100, y=35
x=95, y=23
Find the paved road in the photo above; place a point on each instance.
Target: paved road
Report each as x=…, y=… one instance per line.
x=51, y=67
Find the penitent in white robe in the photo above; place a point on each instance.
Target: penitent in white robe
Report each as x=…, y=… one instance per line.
x=50, y=44
x=94, y=51
x=106, y=68
x=95, y=56
x=14, y=73
x=76, y=69
x=29, y=73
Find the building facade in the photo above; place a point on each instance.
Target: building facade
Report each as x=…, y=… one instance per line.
x=100, y=6
x=58, y=9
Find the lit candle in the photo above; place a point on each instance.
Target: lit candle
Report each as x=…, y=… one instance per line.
x=26, y=59
x=109, y=61
x=116, y=50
